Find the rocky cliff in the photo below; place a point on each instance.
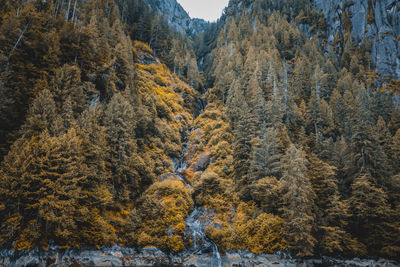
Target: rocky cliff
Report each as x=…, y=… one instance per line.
x=177, y=17
x=377, y=21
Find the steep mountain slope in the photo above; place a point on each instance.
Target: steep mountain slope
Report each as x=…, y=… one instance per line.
x=177, y=17
x=375, y=22
x=373, y=25
x=276, y=130
x=102, y=126
x=297, y=102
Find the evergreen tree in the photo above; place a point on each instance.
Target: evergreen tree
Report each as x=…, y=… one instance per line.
x=384, y=138
x=129, y=172
x=256, y=100
x=332, y=213
x=244, y=133
x=42, y=188
x=67, y=83
x=98, y=183
x=341, y=152
x=390, y=240
x=297, y=202
x=396, y=151
x=42, y=115
x=265, y=193
x=369, y=208
x=366, y=152
x=265, y=156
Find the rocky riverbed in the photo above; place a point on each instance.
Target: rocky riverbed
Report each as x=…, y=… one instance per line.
x=118, y=256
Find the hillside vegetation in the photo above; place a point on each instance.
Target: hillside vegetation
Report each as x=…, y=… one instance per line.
x=292, y=141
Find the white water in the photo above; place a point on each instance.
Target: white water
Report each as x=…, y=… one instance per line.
x=195, y=223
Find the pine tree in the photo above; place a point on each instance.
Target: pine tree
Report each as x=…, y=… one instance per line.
x=332, y=213
x=120, y=125
x=95, y=148
x=244, y=132
x=390, y=240
x=65, y=83
x=349, y=120
x=235, y=101
x=42, y=177
x=384, y=138
x=336, y=104
x=256, y=100
x=396, y=151
x=265, y=156
x=42, y=115
x=366, y=152
x=323, y=179
x=340, y=156
x=265, y=192
x=301, y=83
x=297, y=202
x=129, y=171
x=369, y=208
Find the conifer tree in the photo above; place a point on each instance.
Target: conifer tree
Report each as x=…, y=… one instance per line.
x=265, y=156
x=244, y=133
x=94, y=149
x=297, y=202
x=42, y=115
x=332, y=213
x=265, y=192
x=129, y=172
x=301, y=80
x=322, y=177
x=41, y=179
x=384, y=138
x=120, y=125
x=369, y=209
x=396, y=151
x=391, y=242
x=256, y=100
x=366, y=152
x=65, y=83
x=235, y=101
x=336, y=104
x=394, y=123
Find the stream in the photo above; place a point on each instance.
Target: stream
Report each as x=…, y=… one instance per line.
x=196, y=222
x=201, y=244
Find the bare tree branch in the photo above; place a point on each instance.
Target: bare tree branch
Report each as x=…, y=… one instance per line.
x=20, y=37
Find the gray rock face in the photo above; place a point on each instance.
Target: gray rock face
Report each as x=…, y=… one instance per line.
x=383, y=32
x=177, y=16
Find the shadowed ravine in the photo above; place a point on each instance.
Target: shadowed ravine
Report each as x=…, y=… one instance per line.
x=196, y=222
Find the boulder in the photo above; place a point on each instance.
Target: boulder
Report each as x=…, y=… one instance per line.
x=202, y=161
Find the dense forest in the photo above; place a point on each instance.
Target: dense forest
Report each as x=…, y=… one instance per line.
x=289, y=140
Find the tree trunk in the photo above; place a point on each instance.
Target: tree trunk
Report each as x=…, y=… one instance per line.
x=67, y=12
x=73, y=13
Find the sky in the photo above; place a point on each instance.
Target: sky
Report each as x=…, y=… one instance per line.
x=209, y=10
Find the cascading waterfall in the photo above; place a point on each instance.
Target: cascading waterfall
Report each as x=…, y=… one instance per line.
x=195, y=227
x=217, y=255
x=195, y=223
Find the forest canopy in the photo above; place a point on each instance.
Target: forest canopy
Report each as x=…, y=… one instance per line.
x=291, y=143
